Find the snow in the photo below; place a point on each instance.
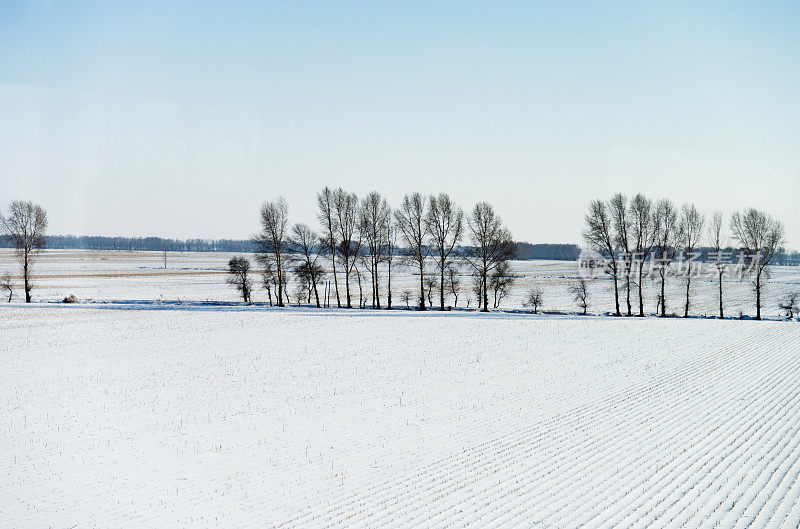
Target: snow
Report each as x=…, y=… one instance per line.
x=255, y=417
x=200, y=276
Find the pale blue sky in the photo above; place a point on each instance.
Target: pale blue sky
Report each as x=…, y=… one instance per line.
x=180, y=120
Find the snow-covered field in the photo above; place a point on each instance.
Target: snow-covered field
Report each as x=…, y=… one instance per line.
x=257, y=417
x=200, y=276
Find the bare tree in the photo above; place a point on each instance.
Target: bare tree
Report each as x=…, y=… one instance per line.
x=500, y=281
x=641, y=230
x=346, y=214
x=790, y=304
x=374, y=217
x=453, y=282
x=25, y=228
x=271, y=241
x=445, y=224
x=760, y=237
x=690, y=232
x=430, y=287
x=406, y=297
x=5, y=284
x=308, y=270
x=599, y=236
x=410, y=221
x=618, y=206
x=238, y=270
x=580, y=293
x=665, y=226
x=389, y=253
x=491, y=245
x=268, y=279
x=326, y=216
x=715, y=237
x=535, y=299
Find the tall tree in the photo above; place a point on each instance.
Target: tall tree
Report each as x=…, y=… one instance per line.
x=445, y=223
x=238, y=276
x=411, y=222
x=389, y=253
x=715, y=238
x=306, y=243
x=271, y=241
x=491, y=246
x=618, y=206
x=760, y=237
x=345, y=208
x=25, y=228
x=599, y=235
x=327, y=218
x=374, y=216
x=641, y=229
x=690, y=230
x=665, y=226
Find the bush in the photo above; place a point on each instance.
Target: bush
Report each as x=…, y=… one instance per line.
x=70, y=299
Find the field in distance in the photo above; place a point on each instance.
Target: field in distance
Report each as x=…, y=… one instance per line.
x=200, y=276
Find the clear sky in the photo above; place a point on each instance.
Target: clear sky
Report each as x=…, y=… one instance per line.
x=180, y=119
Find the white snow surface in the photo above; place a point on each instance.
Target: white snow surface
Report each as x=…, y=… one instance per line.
x=257, y=417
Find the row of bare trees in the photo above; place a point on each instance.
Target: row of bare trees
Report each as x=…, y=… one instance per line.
x=358, y=237
x=639, y=232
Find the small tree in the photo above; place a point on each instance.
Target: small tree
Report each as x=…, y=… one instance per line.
x=791, y=304
x=238, y=276
x=500, y=282
x=453, y=283
x=25, y=228
x=5, y=284
x=407, y=297
x=760, y=237
x=430, y=288
x=535, y=299
x=580, y=293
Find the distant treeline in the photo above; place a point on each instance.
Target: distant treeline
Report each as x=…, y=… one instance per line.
x=555, y=252
x=89, y=242
x=525, y=250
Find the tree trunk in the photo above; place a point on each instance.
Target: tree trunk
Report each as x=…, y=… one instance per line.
x=316, y=294
x=25, y=275
x=389, y=293
x=641, y=295
x=688, y=283
x=485, y=294
x=441, y=286
x=616, y=291
x=758, y=295
x=663, y=299
x=421, y=286
x=721, y=314
x=347, y=284
x=335, y=277
x=628, y=285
